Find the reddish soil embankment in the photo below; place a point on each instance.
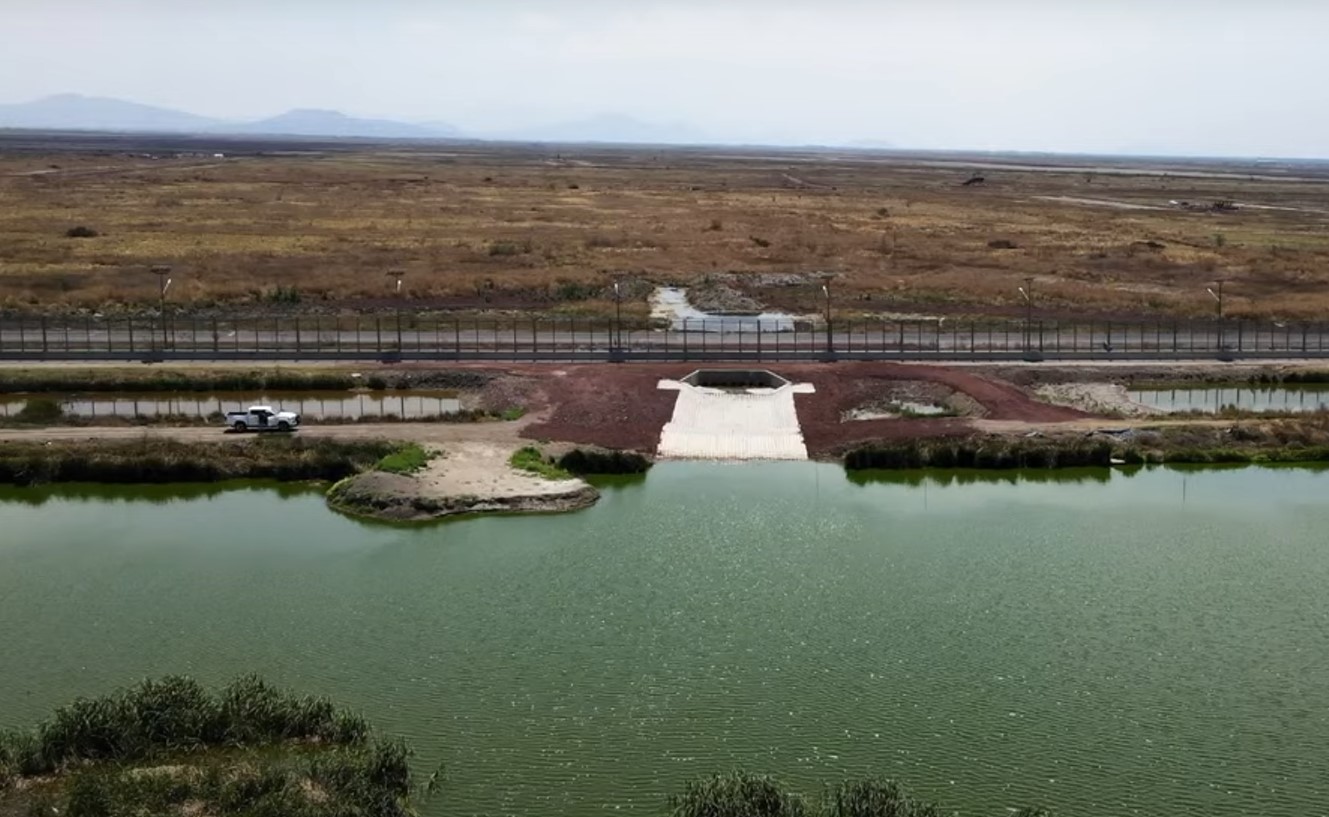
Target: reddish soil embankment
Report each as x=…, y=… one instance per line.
x=845, y=386
x=611, y=405
x=620, y=406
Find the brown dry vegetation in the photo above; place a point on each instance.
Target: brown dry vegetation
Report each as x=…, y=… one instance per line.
x=498, y=228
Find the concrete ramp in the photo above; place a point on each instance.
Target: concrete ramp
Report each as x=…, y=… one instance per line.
x=733, y=424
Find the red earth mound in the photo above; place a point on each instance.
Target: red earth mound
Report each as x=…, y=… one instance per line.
x=620, y=406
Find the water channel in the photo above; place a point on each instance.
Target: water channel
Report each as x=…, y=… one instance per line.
x=316, y=405
x=1213, y=399
x=671, y=304
x=1100, y=643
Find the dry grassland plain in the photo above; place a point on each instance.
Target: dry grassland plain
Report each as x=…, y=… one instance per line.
x=289, y=226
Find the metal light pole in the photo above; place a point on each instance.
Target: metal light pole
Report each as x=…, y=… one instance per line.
x=826, y=290
x=163, y=274
x=396, y=275
x=618, y=317
x=1028, y=292
x=1218, y=297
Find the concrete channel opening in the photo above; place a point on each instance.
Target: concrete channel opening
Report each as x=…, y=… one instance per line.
x=734, y=414
x=736, y=379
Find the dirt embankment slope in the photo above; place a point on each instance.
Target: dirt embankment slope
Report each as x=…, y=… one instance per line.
x=620, y=406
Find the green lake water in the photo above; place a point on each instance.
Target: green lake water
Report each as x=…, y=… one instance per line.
x=1155, y=643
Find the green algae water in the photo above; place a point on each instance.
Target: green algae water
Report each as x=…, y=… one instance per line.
x=1101, y=644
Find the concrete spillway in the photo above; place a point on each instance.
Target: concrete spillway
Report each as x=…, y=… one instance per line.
x=745, y=415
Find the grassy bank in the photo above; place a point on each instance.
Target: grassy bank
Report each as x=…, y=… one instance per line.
x=143, y=379
x=996, y=453
x=172, y=747
x=1303, y=440
x=160, y=461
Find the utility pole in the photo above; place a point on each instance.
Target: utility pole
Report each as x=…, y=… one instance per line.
x=163, y=274
x=618, y=317
x=1028, y=292
x=396, y=275
x=1218, y=297
x=826, y=290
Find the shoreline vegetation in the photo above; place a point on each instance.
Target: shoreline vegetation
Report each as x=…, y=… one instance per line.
x=1304, y=440
x=172, y=747
x=151, y=461
x=278, y=378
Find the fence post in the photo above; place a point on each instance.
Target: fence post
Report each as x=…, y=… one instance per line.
x=45, y=348
x=130, y=320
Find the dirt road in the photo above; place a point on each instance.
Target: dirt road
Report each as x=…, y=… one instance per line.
x=495, y=433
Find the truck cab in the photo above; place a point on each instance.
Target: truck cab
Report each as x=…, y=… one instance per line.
x=262, y=418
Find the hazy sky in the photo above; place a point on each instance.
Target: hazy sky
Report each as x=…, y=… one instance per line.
x=1237, y=77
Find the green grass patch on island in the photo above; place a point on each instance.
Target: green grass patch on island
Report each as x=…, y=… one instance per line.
x=531, y=459
x=407, y=459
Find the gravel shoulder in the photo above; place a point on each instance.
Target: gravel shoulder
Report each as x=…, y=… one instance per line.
x=1095, y=398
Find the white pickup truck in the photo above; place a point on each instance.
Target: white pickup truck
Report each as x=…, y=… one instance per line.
x=262, y=418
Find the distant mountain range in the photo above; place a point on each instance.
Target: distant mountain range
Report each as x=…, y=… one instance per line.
x=78, y=112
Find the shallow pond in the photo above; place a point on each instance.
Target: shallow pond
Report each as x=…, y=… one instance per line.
x=1100, y=643
x=309, y=405
x=1214, y=399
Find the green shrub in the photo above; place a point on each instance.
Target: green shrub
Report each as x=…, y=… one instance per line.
x=531, y=459
x=176, y=714
x=746, y=795
x=736, y=795
x=992, y=454
x=874, y=798
x=581, y=461
x=40, y=410
x=283, y=295
x=407, y=459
